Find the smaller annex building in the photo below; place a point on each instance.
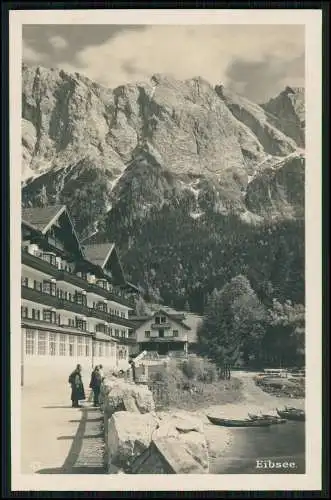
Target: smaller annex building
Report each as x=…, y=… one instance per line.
x=165, y=333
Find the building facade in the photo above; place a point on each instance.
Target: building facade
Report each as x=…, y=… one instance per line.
x=162, y=333
x=75, y=301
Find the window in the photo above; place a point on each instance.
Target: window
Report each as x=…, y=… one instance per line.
x=161, y=332
x=24, y=312
x=24, y=281
x=163, y=319
x=87, y=347
x=175, y=333
x=69, y=297
x=52, y=344
x=71, y=322
x=58, y=319
x=122, y=315
x=29, y=342
x=63, y=339
x=37, y=285
x=79, y=347
x=80, y=298
x=36, y=314
x=71, y=345
x=117, y=332
x=123, y=333
x=101, y=306
x=51, y=259
x=147, y=334
x=111, y=331
x=42, y=343
x=157, y=320
x=81, y=324
x=100, y=349
x=102, y=284
x=49, y=316
x=49, y=287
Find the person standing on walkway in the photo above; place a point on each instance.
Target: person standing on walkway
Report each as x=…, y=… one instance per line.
x=101, y=372
x=77, y=387
x=95, y=385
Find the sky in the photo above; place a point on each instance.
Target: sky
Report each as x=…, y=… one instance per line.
x=257, y=61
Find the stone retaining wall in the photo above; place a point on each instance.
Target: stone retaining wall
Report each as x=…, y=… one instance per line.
x=141, y=441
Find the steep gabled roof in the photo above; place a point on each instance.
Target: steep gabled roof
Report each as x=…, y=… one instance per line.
x=40, y=218
x=98, y=254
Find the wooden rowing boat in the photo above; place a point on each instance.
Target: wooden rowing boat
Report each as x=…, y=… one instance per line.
x=292, y=414
x=247, y=422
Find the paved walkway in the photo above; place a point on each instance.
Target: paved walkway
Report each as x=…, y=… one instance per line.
x=57, y=438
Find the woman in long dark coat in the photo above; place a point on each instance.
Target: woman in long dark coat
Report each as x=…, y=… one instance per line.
x=77, y=387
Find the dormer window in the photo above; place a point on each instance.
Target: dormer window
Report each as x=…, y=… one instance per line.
x=160, y=319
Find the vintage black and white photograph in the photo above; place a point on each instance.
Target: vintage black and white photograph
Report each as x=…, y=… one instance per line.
x=162, y=172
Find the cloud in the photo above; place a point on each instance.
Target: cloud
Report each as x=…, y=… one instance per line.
x=58, y=42
x=259, y=80
x=218, y=53
x=30, y=55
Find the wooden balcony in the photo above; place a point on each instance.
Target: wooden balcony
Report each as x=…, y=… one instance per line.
x=61, y=275
x=156, y=326
x=168, y=338
x=110, y=318
x=106, y=294
x=73, y=279
x=74, y=307
x=39, y=264
x=39, y=297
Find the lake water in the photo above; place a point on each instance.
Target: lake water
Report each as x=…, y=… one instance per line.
x=282, y=442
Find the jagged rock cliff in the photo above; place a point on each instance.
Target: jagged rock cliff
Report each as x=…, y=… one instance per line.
x=131, y=162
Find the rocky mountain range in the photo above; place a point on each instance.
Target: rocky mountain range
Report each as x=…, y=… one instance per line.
x=185, y=177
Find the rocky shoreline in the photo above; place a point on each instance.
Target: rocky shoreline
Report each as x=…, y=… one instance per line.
x=140, y=440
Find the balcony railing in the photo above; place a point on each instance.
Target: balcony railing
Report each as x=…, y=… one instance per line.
x=72, y=278
x=168, y=338
x=72, y=306
x=110, y=295
x=38, y=263
x=40, y=297
x=62, y=275
x=160, y=325
x=69, y=305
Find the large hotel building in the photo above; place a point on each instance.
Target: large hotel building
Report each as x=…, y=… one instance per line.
x=75, y=300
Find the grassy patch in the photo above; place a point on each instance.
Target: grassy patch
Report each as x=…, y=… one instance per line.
x=192, y=385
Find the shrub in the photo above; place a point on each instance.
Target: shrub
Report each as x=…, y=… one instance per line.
x=199, y=369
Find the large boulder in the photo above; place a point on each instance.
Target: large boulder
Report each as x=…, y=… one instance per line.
x=188, y=432
x=119, y=395
x=128, y=436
